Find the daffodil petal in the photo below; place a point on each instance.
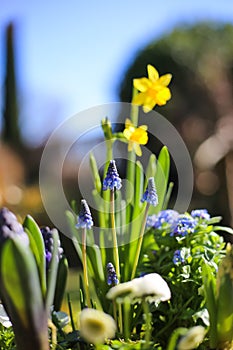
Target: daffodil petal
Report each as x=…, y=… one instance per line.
x=163, y=96
x=142, y=84
x=143, y=127
x=153, y=74
x=149, y=105
x=144, y=139
x=127, y=133
x=165, y=79
x=128, y=123
x=137, y=149
x=139, y=99
x=130, y=146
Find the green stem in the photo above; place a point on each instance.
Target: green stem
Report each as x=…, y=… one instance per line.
x=147, y=316
x=140, y=240
x=134, y=109
x=115, y=252
x=114, y=235
x=127, y=307
x=85, y=274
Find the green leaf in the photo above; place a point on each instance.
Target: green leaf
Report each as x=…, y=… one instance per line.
x=161, y=177
x=52, y=272
x=209, y=282
x=95, y=173
x=151, y=167
x=20, y=283
x=37, y=248
x=224, y=229
x=62, y=274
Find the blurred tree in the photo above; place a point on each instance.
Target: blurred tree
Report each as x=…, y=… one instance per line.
x=11, y=132
x=200, y=59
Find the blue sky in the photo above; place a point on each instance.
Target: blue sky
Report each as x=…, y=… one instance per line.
x=72, y=54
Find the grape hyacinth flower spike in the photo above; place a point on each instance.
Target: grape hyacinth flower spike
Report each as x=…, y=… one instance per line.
x=112, y=277
x=150, y=195
x=112, y=180
x=85, y=222
x=84, y=217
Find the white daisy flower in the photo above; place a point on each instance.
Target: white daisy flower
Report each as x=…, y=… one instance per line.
x=192, y=338
x=151, y=287
x=96, y=326
x=4, y=319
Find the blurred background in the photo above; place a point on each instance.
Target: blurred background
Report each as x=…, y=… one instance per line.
x=58, y=58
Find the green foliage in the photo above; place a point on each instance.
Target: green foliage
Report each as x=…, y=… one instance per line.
x=199, y=252
x=7, y=338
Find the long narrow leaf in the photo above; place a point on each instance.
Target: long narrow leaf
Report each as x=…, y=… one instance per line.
x=161, y=177
x=37, y=247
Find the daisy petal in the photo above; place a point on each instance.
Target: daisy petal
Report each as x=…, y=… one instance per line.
x=153, y=74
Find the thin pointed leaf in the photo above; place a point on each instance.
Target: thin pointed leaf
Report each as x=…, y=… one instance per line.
x=161, y=178
x=52, y=272
x=37, y=248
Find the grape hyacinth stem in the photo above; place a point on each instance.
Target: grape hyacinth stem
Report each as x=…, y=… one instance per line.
x=114, y=235
x=85, y=275
x=115, y=252
x=140, y=240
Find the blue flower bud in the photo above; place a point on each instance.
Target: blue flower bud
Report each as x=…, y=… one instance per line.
x=47, y=235
x=84, y=217
x=112, y=277
x=112, y=180
x=10, y=227
x=150, y=195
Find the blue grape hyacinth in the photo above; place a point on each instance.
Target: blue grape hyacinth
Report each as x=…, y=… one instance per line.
x=10, y=227
x=84, y=217
x=150, y=195
x=47, y=235
x=112, y=277
x=112, y=180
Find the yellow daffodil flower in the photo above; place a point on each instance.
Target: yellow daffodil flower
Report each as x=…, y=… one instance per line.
x=152, y=90
x=135, y=136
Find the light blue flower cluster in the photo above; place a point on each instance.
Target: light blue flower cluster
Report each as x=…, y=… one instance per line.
x=112, y=180
x=175, y=223
x=200, y=214
x=164, y=217
x=150, y=195
x=84, y=217
x=184, y=225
